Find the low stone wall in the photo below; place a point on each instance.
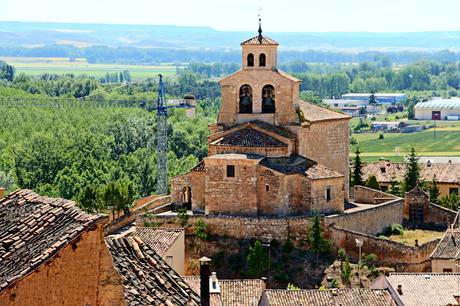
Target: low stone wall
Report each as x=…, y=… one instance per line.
x=242, y=227
x=367, y=195
x=389, y=253
x=370, y=221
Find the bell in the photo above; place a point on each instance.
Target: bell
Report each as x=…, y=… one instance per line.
x=245, y=101
x=268, y=101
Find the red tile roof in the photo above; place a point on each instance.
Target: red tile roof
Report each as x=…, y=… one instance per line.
x=428, y=289
x=249, y=137
x=160, y=239
x=384, y=171
x=342, y=297
x=256, y=40
x=33, y=229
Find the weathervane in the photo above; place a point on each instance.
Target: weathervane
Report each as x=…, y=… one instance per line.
x=260, y=26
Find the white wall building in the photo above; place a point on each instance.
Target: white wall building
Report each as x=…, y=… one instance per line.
x=438, y=109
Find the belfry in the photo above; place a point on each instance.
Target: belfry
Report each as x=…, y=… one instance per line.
x=269, y=153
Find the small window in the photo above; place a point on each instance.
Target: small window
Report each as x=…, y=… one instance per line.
x=453, y=191
x=383, y=169
x=230, y=171
x=262, y=60
x=267, y=188
x=447, y=270
x=328, y=194
x=384, y=188
x=250, y=60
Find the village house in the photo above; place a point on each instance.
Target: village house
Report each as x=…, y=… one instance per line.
x=269, y=153
x=415, y=289
x=386, y=172
x=169, y=243
x=446, y=256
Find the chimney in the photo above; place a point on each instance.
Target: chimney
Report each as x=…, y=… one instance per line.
x=214, y=283
x=400, y=290
x=264, y=279
x=204, y=280
x=457, y=298
x=2, y=192
x=329, y=280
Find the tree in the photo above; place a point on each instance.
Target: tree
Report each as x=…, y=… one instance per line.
x=394, y=187
x=257, y=260
x=200, y=230
x=318, y=243
x=119, y=196
x=412, y=175
x=372, y=102
x=346, y=270
x=433, y=189
x=89, y=199
x=372, y=183
x=357, y=175
x=183, y=216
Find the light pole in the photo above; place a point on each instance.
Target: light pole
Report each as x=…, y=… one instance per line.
x=359, y=244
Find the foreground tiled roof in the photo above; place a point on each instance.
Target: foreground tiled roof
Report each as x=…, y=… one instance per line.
x=296, y=164
x=33, y=229
x=248, y=137
x=233, y=292
x=342, y=297
x=313, y=113
x=147, y=279
x=384, y=171
x=428, y=289
x=159, y=239
x=449, y=246
x=259, y=40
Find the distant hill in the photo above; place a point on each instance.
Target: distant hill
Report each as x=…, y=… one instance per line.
x=33, y=34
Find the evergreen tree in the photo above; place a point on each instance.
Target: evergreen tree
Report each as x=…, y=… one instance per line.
x=257, y=260
x=412, y=175
x=372, y=183
x=434, y=190
x=372, y=102
x=318, y=243
x=89, y=200
x=357, y=175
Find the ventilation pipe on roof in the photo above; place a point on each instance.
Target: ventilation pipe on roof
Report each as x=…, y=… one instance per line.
x=204, y=280
x=214, y=286
x=400, y=290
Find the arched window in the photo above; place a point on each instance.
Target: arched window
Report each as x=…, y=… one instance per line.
x=268, y=99
x=250, y=60
x=245, y=99
x=262, y=60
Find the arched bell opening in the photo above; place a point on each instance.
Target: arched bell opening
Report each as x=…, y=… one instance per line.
x=245, y=99
x=268, y=99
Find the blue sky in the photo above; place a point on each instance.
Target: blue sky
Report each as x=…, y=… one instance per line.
x=241, y=15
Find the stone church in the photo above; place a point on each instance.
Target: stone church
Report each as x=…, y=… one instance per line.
x=269, y=153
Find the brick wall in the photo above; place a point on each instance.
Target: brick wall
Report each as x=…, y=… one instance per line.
x=389, y=253
x=72, y=277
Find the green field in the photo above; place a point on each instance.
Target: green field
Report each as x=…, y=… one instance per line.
x=57, y=65
x=445, y=142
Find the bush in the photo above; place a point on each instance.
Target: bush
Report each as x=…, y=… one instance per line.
x=200, y=229
x=381, y=136
x=346, y=270
x=369, y=261
x=393, y=229
x=183, y=216
x=288, y=246
x=341, y=254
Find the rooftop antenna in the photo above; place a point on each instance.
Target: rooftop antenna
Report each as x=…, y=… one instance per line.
x=260, y=26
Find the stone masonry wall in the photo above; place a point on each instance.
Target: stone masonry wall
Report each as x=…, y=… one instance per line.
x=365, y=195
x=369, y=221
x=243, y=227
x=389, y=253
x=72, y=277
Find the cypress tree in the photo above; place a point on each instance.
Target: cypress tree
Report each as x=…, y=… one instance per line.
x=412, y=176
x=357, y=175
x=434, y=190
x=372, y=183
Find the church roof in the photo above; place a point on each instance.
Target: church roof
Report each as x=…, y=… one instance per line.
x=33, y=229
x=248, y=137
x=296, y=164
x=259, y=40
x=313, y=113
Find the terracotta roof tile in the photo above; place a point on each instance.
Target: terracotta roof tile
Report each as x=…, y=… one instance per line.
x=147, y=279
x=194, y=283
x=296, y=164
x=449, y=246
x=200, y=167
x=384, y=171
x=262, y=40
x=248, y=137
x=428, y=289
x=342, y=297
x=314, y=113
x=33, y=229
x=160, y=239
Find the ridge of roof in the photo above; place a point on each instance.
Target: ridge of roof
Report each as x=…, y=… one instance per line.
x=33, y=229
x=259, y=40
x=315, y=113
